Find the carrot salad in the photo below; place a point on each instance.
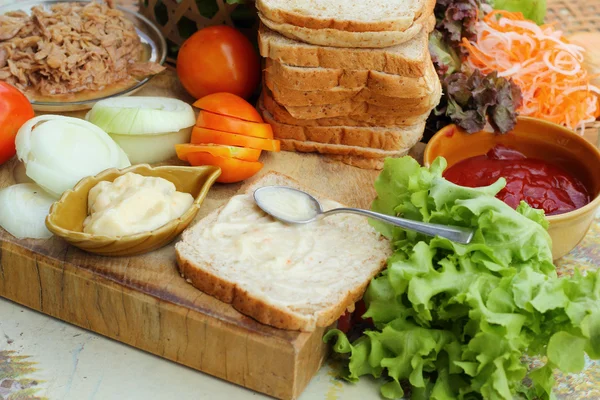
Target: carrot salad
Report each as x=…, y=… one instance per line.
x=548, y=69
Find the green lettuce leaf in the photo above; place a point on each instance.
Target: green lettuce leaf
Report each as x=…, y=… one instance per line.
x=454, y=321
x=534, y=10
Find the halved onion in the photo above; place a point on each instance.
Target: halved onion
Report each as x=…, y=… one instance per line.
x=139, y=115
x=151, y=149
x=146, y=128
x=23, y=211
x=59, y=151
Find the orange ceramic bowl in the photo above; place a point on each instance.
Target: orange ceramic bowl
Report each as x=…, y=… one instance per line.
x=536, y=139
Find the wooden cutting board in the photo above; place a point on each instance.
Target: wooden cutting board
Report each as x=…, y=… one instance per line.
x=142, y=301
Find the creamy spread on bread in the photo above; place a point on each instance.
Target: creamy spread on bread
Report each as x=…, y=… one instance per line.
x=256, y=250
x=133, y=204
x=288, y=204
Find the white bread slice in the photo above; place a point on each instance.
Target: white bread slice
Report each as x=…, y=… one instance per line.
x=365, y=107
x=354, y=108
x=358, y=16
x=312, y=292
x=299, y=98
x=340, y=149
x=318, y=78
x=337, y=38
x=410, y=59
x=282, y=115
x=392, y=138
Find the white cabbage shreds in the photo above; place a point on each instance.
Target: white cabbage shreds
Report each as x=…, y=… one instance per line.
x=59, y=151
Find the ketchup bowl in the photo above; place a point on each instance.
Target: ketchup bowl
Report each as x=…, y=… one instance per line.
x=539, y=140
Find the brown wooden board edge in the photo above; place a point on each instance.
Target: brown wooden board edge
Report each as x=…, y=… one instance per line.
x=78, y=296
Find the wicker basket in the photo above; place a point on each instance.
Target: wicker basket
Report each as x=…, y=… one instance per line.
x=179, y=19
x=574, y=15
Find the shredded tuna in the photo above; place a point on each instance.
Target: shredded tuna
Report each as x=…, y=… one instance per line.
x=69, y=48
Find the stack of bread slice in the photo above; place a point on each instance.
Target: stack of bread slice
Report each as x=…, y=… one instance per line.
x=354, y=81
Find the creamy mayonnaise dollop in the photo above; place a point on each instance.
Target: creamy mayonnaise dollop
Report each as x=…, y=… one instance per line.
x=288, y=204
x=132, y=204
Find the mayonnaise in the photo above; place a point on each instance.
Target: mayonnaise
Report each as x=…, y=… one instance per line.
x=288, y=204
x=248, y=245
x=132, y=204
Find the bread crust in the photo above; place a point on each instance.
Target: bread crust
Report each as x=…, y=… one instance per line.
x=337, y=38
x=282, y=115
x=363, y=109
x=319, y=79
x=379, y=138
x=393, y=23
x=298, y=98
x=241, y=300
x=322, y=148
x=391, y=60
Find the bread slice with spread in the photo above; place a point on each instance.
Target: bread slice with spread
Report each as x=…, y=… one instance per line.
x=296, y=277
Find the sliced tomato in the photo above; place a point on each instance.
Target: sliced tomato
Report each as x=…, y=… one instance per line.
x=345, y=322
x=241, y=153
x=232, y=169
x=209, y=136
x=229, y=105
x=223, y=123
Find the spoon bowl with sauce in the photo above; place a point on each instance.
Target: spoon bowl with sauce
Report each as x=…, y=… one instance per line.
x=547, y=165
x=294, y=206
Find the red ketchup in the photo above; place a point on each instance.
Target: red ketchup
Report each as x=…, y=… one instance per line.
x=538, y=183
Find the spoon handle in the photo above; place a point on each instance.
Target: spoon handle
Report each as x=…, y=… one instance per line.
x=455, y=233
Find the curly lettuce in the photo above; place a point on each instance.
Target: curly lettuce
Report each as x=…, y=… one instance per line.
x=453, y=321
x=473, y=101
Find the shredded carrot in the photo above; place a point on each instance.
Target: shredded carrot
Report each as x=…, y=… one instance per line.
x=548, y=69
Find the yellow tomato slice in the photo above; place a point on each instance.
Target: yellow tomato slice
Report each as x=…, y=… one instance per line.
x=209, y=136
x=232, y=169
x=241, y=153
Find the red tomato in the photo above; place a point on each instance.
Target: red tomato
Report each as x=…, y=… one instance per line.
x=229, y=105
x=232, y=169
x=359, y=310
x=345, y=322
x=15, y=110
x=218, y=59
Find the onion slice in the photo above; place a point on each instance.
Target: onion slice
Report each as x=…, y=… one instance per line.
x=59, y=151
x=141, y=115
x=23, y=211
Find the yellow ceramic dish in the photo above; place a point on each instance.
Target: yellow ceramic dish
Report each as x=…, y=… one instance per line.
x=67, y=214
x=536, y=139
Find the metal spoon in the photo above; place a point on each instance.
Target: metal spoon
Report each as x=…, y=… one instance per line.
x=295, y=206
